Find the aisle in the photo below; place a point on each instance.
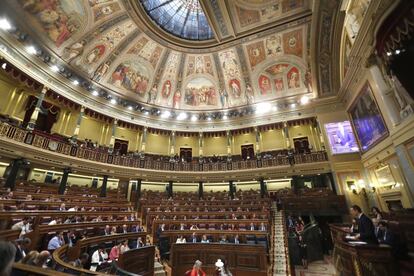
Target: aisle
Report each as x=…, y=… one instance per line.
x=279, y=257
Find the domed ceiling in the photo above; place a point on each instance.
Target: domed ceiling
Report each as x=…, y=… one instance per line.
x=257, y=50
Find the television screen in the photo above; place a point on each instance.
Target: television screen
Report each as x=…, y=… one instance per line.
x=341, y=137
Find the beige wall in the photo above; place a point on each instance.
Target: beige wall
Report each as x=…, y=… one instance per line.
x=272, y=140
x=153, y=186
x=3, y=167
x=132, y=136
x=215, y=145
x=157, y=144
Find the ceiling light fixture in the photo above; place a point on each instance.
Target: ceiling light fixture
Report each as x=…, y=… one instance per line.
x=113, y=101
x=274, y=108
x=31, y=50
x=5, y=24
x=262, y=108
x=95, y=93
x=304, y=100
x=4, y=66
x=225, y=117
x=129, y=107
x=75, y=82
x=292, y=105
x=193, y=118
x=182, y=116
x=208, y=118
x=166, y=114
x=54, y=68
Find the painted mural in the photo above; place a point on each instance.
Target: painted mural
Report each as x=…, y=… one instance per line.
x=105, y=11
x=59, y=19
x=131, y=76
x=148, y=50
x=168, y=79
x=256, y=53
x=230, y=65
x=200, y=92
x=293, y=43
x=251, y=13
x=200, y=64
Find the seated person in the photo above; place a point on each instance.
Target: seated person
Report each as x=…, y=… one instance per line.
x=124, y=247
x=82, y=261
x=194, y=227
x=387, y=236
x=139, y=242
x=113, y=230
x=193, y=238
x=124, y=229
x=115, y=251
x=236, y=239
x=354, y=227
x=99, y=257
x=22, y=246
x=23, y=226
x=223, y=239
x=204, y=239
x=252, y=227
x=180, y=239
x=262, y=227
x=56, y=242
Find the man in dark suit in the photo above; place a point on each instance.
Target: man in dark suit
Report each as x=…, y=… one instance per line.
x=22, y=246
x=366, y=229
x=387, y=236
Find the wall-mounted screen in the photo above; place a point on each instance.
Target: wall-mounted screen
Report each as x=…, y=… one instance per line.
x=341, y=137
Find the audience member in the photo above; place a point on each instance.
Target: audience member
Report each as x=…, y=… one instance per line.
x=23, y=226
x=42, y=259
x=56, y=242
x=124, y=247
x=7, y=253
x=115, y=251
x=377, y=213
x=82, y=261
x=197, y=271
x=98, y=257
x=22, y=246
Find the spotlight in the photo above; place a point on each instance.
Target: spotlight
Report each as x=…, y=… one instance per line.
x=182, y=116
x=113, y=101
x=292, y=105
x=209, y=118
x=129, y=107
x=146, y=112
x=225, y=117
x=166, y=114
x=304, y=100
x=5, y=24
x=389, y=53
x=262, y=108
x=4, y=66
x=95, y=93
x=397, y=52
x=194, y=118
x=31, y=50
x=54, y=68
x=274, y=108
x=75, y=82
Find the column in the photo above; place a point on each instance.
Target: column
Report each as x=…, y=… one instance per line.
x=104, y=186
x=385, y=91
x=262, y=187
x=170, y=189
x=15, y=166
x=124, y=184
x=64, y=181
x=286, y=134
x=32, y=123
x=112, y=141
x=144, y=139
x=257, y=138
x=200, y=144
x=78, y=122
x=228, y=134
x=138, y=194
x=200, y=190
x=172, y=143
x=405, y=165
x=231, y=189
x=319, y=132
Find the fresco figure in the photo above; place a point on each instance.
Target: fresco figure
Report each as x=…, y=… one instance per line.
x=264, y=85
x=177, y=99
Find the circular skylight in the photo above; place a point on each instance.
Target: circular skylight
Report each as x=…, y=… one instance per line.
x=182, y=18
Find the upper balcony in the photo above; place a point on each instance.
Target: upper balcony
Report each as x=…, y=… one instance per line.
x=49, y=150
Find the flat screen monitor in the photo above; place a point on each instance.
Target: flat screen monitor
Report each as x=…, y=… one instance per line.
x=341, y=137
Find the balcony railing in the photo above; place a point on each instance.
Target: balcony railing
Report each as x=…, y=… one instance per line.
x=55, y=144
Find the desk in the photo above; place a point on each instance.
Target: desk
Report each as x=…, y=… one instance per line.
x=242, y=259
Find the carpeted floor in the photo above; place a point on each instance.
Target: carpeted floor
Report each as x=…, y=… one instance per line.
x=318, y=268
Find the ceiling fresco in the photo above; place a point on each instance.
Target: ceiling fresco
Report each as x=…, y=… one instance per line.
x=99, y=39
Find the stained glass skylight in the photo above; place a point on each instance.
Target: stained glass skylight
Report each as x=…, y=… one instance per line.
x=182, y=18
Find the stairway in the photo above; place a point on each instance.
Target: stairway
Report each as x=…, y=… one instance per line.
x=279, y=253
x=159, y=269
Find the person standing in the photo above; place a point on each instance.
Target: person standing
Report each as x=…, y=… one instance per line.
x=366, y=229
x=303, y=251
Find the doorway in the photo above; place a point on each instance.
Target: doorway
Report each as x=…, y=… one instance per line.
x=247, y=152
x=121, y=147
x=186, y=154
x=301, y=145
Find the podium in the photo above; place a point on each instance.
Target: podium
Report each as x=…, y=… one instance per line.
x=352, y=259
